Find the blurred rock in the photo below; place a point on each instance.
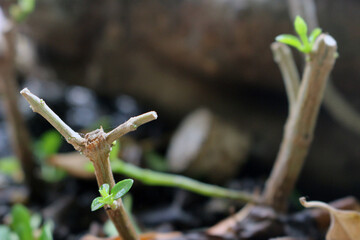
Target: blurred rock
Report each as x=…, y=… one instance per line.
x=206, y=146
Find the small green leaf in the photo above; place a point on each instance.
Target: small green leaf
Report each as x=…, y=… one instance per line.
x=314, y=34
x=289, y=40
x=121, y=188
x=46, y=232
x=104, y=190
x=300, y=26
x=21, y=222
x=96, y=204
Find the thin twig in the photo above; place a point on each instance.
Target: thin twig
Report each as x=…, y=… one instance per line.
x=154, y=178
x=339, y=108
x=300, y=124
x=284, y=58
x=39, y=106
x=131, y=125
x=96, y=148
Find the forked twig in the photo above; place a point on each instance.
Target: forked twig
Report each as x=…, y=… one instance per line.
x=96, y=146
x=300, y=124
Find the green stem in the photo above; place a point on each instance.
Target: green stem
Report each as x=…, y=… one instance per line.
x=150, y=177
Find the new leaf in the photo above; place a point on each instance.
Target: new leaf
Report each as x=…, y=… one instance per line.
x=121, y=188
x=104, y=190
x=304, y=43
x=96, y=204
x=300, y=26
x=314, y=34
x=289, y=40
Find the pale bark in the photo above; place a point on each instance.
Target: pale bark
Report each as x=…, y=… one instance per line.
x=284, y=58
x=300, y=125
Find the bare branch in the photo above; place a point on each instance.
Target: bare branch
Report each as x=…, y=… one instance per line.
x=300, y=124
x=96, y=147
x=97, y=150
x=130, y=125
x=337, y=105
x=39, y=106
x=284, y=58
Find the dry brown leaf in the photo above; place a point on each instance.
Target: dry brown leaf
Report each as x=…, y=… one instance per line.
x=345, y=224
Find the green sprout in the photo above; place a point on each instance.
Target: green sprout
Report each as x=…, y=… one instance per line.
x=304, y=43
x=119, y=190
